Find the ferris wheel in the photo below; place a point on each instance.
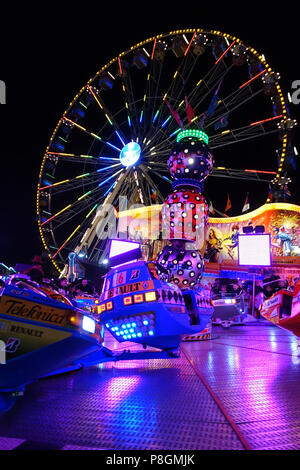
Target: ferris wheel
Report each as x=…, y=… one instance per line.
x=116, y=134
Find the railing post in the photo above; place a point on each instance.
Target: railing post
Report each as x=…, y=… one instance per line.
x=2, y=352
x=2, y=92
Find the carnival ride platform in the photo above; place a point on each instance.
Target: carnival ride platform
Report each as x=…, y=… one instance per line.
x=239, y=390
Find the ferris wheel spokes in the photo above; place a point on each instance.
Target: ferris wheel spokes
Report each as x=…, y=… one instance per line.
x=232, y=136
x=96, y=95
x=234, y=101
x=88, y=198
x=68, y=184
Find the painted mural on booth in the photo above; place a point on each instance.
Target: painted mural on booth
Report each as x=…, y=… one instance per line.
x=219, y=243
x=281, y=220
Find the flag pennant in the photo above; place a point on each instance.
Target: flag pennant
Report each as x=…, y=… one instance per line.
x=290, y=160
x=246, y=205
x=270, y=194
x=174, y=114
x=212, y=106
x=138, y=196
x=228, y=205
x=116, y=212
x=153, y=195
x=223, y=122
x=189, y=110
x=211, y=208
x=287, y=192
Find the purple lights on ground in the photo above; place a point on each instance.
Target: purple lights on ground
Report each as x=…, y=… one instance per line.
x=254, y=372
x=118, y=388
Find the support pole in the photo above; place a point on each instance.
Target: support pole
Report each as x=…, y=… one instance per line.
x=253, y=294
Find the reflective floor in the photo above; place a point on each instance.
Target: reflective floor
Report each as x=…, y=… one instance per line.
x=239, y=390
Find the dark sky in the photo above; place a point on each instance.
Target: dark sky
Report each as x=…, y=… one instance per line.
x=48, y=52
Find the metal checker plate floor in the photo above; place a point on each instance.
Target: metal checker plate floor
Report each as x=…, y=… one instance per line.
x=252, y=372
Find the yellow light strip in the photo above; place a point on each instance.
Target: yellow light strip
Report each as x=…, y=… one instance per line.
x=255, y=213
x=82, y=176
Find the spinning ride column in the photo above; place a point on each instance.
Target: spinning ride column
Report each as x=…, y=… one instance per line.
x=184, y=212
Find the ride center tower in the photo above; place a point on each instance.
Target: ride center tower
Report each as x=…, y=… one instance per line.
x=184, y=212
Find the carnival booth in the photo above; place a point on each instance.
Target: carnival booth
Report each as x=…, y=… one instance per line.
x=238, y=287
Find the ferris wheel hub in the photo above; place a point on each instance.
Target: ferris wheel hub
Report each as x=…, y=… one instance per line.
x=130, y=154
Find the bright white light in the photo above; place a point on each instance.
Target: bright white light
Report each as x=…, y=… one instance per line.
x=88, y=324
x=254, y=250
x=130, y=154
x=118, y=247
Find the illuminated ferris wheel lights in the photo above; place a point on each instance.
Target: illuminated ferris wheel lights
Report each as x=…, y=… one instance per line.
x=165, y=122
x=253, y=78
x=110, y=188
x=108, y=167
x=174, y=133
x=265, y=120
x=189, y=43
x=224, y=53
x=109, y=178
x=108, y=158
x=155, y=116
x=113, y=146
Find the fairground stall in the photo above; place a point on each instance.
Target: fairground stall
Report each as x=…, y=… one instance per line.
x=237, y=291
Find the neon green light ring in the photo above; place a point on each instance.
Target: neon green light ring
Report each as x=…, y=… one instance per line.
x=194, y=133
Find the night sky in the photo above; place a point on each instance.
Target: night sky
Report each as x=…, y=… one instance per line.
x=48, y=52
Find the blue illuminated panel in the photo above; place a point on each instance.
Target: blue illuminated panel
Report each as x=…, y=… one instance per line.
x=133, y=327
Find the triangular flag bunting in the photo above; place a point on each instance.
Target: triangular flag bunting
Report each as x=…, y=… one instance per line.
x=212, y=106
x=211, y=208
x=270, y=194
x=223, y=122
x=189, y=110
x=228, y=205
x=174, y=114
x=246, y=205
x=153, y=195
x=287, y=192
